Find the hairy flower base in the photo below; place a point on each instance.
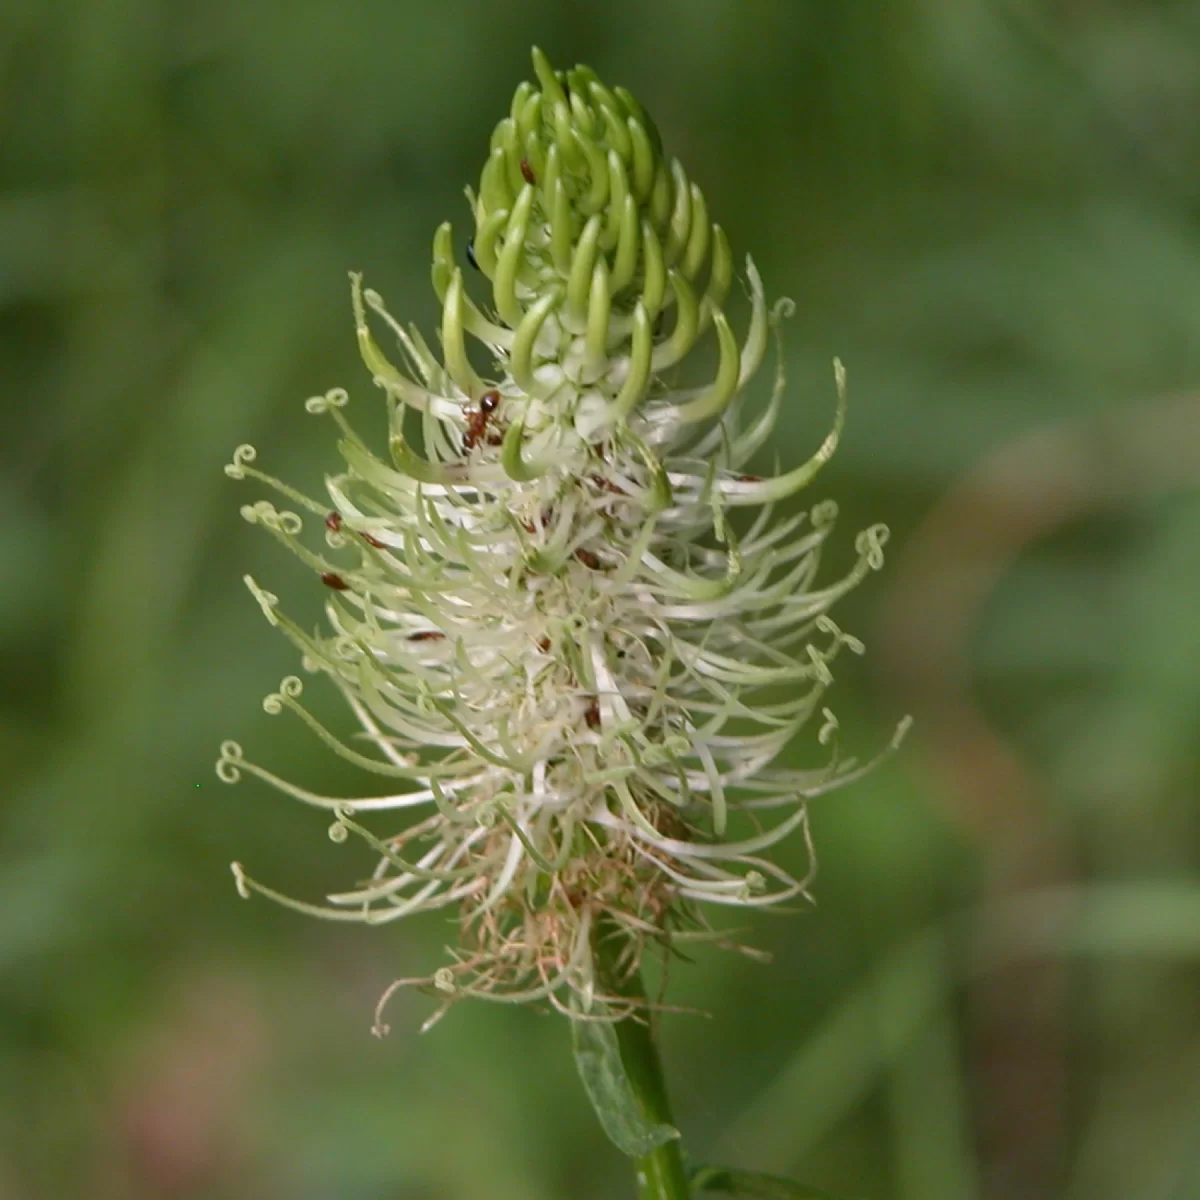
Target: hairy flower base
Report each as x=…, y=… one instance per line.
x=551, y=635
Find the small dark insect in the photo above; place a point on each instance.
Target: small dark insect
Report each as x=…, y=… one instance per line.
x=333, y=580
x=471, y=254
x=371, y=540
x=588, y=559
x=333, y=522
x=427, y=635
x=592, y=716
x=477, y=421
x=527, y=171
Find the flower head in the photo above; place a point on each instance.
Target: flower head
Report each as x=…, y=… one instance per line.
x=555, y=644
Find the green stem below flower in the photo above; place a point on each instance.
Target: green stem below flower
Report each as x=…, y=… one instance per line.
x=660, y=1173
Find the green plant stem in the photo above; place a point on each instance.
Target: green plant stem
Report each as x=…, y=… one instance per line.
x=660, y=1174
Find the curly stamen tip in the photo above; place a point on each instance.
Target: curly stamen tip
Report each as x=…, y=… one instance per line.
x=266, y=600
x=824, y=513
x=227, y=765
x=240, y=880
x=828, y=730
x=870, y=544
x=244, y=454
x=820, y=666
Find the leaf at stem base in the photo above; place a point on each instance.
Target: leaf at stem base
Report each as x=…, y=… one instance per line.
x=598, y=1057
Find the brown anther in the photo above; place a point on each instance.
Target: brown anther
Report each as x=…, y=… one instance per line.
x=544, y=645
x=527, y=171
x=332, y=579
x=592, y=716
x=667, y=822
x=427, y=635
x=588, y=559
x=371, y=540
x=749, y=479
x=333, y=522
x=607, y=485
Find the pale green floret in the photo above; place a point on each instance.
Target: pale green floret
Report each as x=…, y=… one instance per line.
x=541, y=616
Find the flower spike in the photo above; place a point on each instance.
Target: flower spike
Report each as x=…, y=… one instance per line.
x=559, y=648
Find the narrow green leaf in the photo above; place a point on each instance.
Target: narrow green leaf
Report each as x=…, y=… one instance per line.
x=598, y=1057
x=752, y=1185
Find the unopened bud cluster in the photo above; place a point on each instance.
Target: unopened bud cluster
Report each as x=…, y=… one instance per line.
x=555, y=646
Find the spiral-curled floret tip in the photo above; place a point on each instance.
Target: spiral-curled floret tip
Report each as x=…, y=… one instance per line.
x=239, y=879
x=229, y=764
x=266, y=600
x=242, y=457
x=332, y=400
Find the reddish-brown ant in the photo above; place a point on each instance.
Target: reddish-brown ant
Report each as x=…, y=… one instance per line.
x=477, y=419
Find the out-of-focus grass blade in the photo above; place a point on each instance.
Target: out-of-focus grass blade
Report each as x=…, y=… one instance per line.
x=837, y=1067
x=753, y=1186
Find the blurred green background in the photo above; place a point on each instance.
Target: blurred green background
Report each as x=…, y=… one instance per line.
x=990, y=209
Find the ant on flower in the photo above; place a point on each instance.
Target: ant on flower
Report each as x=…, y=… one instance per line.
x=477, y=419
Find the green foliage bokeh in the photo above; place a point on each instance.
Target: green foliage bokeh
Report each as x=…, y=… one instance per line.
x=990, y=210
